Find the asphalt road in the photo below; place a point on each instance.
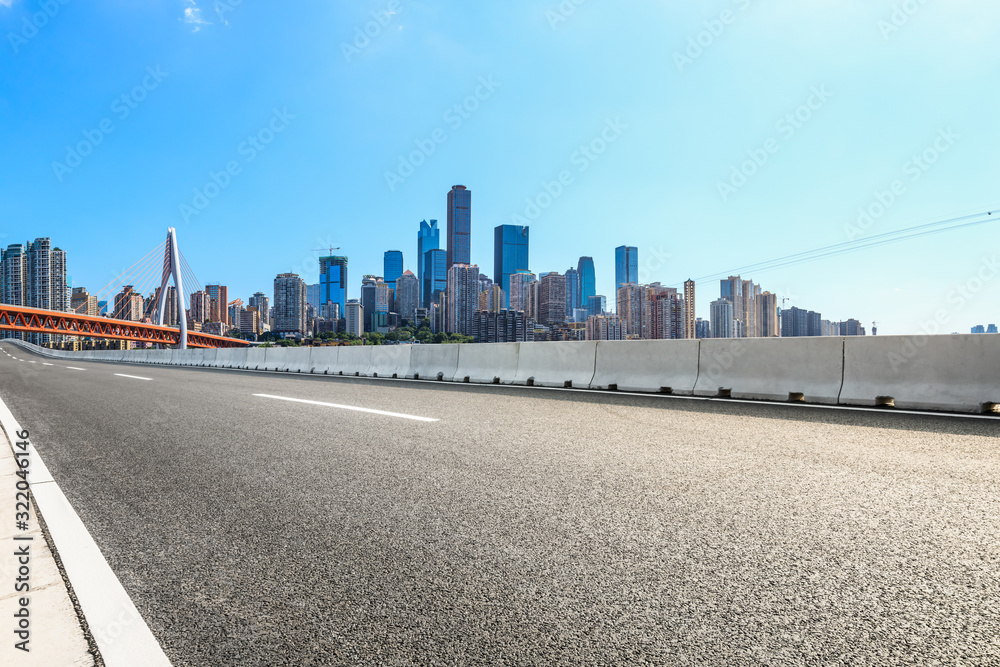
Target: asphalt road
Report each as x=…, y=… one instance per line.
x=525, y=526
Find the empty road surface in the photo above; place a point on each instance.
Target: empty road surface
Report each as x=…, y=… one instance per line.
x=400, y=522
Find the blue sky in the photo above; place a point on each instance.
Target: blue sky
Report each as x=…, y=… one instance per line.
x=667, y=121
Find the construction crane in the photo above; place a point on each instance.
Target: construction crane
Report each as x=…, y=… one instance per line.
x=331, y=249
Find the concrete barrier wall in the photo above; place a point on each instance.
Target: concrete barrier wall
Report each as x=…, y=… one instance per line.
x=287, y=359
x=487, y=362
x=254, y=359
x=775, y=369
x=556, y=364
x=647, y=365
x=390, y=360
x=958, y=373
x=429, y=362
x=356, y=359
x=323, y=360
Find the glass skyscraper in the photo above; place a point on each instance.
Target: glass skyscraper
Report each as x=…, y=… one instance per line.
x=428, y=238
x=572, y=291
x=510, y=255
x=459, y=225
x=333, y=282
x=392, y=267
x=626, y=265
x=588, y=281
x=435, y=273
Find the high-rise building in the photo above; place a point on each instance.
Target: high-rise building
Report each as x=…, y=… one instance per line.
x=633, y=309
x=428, y=238
x=383, y=297
x=407, y=292
x=219, y=294
x=289, y=304
x=602, y=327
x=979, y=329
x=332, y=283
x=731, y=290
x=702, y=328
x=768, y=325
x=128, y=305
x=505, y=326
x=262, y=303
x=462, y=299
x=435, y=276
x=492, y=299
x=459, y=225
x=689, y=318
x=170, y=312
x=572, y=291
x=552, y=299
x=249, y=320
x=312, y=296
x=82, y=303
x=796, y=322
x=392, y=266
x=853, y=328
x=991, y=328
x=596, y=304
x=13, y=277
x=510, y=253
x=588, y=280
x=201, y=308
x=723, y=323
x=355, y=316
x=666, y=313
x=743, y=295
x=626, y=265
x=369, y=295
x=518, y=289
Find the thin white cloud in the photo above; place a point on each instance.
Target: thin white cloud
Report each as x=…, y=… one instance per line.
x=6, y=3
x=192, y=15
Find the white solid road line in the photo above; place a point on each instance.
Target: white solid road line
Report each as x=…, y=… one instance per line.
x=349, y=407
x=122, y=636
x=74, y=368
x=134, y=377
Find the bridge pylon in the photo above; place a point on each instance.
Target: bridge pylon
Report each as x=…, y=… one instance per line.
x=172, y=267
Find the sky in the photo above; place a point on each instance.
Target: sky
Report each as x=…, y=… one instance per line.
x=710, y=135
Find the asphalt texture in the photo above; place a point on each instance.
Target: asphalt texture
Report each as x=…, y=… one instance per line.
x=526, y=526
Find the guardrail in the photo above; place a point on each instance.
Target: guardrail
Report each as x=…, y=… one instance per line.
x=957, y=373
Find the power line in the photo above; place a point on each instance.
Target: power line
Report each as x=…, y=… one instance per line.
x=885, y=238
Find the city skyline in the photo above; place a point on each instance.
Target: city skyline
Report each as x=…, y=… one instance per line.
x=700, y=183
